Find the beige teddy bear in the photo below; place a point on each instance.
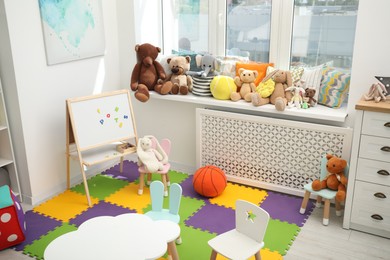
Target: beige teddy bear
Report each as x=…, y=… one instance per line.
x=245, y=83
x=178, y=81
x=279, y=97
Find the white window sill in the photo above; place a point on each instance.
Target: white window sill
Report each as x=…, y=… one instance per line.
x=318, y=113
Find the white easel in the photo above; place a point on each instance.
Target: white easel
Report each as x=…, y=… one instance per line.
x=95, y=126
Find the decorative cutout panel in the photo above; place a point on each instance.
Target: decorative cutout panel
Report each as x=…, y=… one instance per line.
x=275, y=151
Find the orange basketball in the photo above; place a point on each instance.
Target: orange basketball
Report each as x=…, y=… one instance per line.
x=209, y=181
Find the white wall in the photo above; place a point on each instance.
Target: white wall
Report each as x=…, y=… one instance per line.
x=39, y=92
x=36, y=93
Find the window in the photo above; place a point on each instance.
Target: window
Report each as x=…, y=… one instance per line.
x=323, y=32
x=285, y=32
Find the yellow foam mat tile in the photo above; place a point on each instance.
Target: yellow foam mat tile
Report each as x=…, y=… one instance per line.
x=128, y=197
x=265, y=253
x=234, y=192
x=65, y=206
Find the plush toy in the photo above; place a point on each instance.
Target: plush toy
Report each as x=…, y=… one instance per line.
x=309, y=97
x=221, y=86
x=245, y=84
x=279, y=96
x=152, y=159
x=266, y=88
x=207, y=63
x=297, y=98
x=178, y=81
x=147, y=71
x=377, y=92
x=335, y=179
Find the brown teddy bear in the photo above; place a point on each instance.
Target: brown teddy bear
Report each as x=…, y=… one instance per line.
x=309, y=97
x=279, y=97
x=147, y=71
x=245, y=83
x=178, y=81
x=335, y=180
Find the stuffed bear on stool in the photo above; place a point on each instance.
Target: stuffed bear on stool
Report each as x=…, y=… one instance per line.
x=335, y=179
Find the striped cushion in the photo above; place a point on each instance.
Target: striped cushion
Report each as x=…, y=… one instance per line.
x=334, y=87
x=312, y=77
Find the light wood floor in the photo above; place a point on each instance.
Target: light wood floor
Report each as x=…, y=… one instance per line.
x=314, y=242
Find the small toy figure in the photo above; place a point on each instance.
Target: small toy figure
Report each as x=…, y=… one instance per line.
x=377, y=92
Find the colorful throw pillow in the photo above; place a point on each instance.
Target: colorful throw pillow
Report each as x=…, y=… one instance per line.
x=334, y=87
x=296, y=73
x=260, y=67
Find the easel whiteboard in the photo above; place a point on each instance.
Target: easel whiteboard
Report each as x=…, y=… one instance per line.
x=101, y=119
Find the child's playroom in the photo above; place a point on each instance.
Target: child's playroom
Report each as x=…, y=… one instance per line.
x=194, y=129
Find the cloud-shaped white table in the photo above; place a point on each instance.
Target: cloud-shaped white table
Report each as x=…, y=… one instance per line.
x=127, y=236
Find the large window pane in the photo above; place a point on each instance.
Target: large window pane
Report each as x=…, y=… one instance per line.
x=248, y=29
x=324, y=31
x=187, y=25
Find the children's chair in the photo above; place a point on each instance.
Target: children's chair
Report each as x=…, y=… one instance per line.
x=166, y=146
x=246, y=239
x=326, y=194
x=158, y=212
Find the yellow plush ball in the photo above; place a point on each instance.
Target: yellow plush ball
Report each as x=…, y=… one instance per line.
x=222, y=86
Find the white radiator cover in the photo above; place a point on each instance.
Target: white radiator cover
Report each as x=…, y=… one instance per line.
x=275, y=154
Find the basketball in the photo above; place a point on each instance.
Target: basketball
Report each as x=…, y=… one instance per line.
x=222, y=86
x=209, y=181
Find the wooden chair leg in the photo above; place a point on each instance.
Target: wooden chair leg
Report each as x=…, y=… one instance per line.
x=258, y=256
x=338, y=208
x=141, y=183
x=168, y=181
x=325, y=220
x=149, y=180
x=319, y=202
x=304, y=202
x=172, y=250
x=164, y=180
x=121, y=165
x=213, y=255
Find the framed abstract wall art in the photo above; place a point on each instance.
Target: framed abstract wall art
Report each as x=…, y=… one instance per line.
x=72, y=29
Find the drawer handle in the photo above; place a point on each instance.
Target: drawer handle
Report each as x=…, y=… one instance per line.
x=380, y=195
x=385, y=148
x=387, y=124
x=377, y=217
x=383, y=172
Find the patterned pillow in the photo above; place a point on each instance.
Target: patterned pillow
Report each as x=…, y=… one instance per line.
x=334, y=87
x=312, y=77
x=296, y=73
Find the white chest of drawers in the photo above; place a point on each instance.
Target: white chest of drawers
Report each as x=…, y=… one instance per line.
x=367, y=206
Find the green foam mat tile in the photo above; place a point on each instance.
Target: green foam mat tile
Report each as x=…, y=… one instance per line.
x=101, y=186
x=279, y=235
x=37, y=248
x=194, y=245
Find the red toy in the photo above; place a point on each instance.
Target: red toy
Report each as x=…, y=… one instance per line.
x=12, y=224
x=209, y=181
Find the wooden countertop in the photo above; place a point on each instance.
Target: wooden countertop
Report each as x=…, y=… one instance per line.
x=382, y=106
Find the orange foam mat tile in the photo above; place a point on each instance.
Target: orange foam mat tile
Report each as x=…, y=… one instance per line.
x=128, y=197
x=65, y=206
x=234, y=192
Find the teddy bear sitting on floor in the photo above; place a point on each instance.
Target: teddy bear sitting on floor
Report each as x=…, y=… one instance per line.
x=335, y=179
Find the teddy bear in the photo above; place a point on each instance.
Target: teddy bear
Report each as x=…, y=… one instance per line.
x=178, y=81
x=309, y=97
x=279, y=96
x=147, y=71
x=335, y=179
x=245, y=83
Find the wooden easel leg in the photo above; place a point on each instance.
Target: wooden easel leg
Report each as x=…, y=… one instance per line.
x=86, y=186
x=121, y=165
x=67, y=171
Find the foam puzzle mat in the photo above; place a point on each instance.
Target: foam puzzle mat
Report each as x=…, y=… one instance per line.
x=114, y=193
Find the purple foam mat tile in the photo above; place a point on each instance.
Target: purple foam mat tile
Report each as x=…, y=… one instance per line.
x=213, y=218
x=188, y=190
x=129, y=173
x=100, y=209
x=37, y=225
x=286, y=208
